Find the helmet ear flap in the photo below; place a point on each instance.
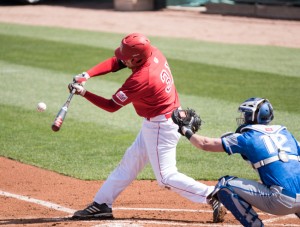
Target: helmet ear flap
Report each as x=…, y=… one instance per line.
x=264, y=113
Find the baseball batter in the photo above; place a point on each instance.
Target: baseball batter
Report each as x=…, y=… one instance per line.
x=151, y=90
x=270, y=149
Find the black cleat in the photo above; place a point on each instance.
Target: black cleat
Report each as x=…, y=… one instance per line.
x=94, y=211
x=219, y=211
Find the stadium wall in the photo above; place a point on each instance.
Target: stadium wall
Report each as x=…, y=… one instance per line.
x=255, y=10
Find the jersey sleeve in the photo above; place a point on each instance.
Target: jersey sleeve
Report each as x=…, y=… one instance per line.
x=110, y=65
x=103, y=103
x=234, y=144
x=131, y=90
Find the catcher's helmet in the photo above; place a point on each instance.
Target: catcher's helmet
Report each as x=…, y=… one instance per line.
x=255, y=111
x=135, y=47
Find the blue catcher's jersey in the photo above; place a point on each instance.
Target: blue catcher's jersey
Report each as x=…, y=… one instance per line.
x=259, y=142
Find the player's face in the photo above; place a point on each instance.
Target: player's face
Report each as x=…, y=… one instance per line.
x=128, y=63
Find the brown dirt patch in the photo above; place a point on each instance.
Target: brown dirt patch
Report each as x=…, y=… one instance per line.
x=151, y=205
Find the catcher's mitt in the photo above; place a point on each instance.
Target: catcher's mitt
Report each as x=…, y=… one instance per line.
x=187, y=118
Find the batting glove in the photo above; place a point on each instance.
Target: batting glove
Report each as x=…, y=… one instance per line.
x=79, y=89
x=81, y=78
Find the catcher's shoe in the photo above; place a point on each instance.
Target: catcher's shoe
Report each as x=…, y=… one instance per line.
x=219, y=211
x=94, y=211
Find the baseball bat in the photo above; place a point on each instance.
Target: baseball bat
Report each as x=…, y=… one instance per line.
x=60, y=117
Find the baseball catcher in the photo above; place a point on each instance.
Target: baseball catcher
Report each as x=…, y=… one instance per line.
x=270, y=149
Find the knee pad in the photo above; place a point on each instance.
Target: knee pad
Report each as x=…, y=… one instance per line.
x=239, y=208
x=221, y=183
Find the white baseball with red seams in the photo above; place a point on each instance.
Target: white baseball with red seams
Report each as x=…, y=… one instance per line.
x=41, y=107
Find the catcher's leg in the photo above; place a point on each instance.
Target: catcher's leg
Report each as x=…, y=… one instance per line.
x=239, y=208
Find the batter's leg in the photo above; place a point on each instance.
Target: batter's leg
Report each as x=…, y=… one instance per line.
x=161, y=139
x=133, y=161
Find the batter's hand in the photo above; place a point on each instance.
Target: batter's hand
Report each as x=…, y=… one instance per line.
x=81, y=78
x=80, y=90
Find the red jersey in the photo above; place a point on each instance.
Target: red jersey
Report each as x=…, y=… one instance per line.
x=150, y=88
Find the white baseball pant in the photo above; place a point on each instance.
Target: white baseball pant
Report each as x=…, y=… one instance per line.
x=155, y=143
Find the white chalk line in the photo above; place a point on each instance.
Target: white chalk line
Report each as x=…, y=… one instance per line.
x=140, y=223
x=280, y=218
x=39, y=202
x=71, y=211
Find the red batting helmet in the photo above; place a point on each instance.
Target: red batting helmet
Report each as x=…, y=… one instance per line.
x=135, y=47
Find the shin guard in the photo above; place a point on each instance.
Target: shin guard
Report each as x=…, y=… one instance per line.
x=240, y=209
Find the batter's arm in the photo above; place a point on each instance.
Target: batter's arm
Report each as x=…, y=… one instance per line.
x=110, y=65
x=103, y=103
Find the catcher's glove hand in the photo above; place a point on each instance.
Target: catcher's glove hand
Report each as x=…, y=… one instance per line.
x=187, y=119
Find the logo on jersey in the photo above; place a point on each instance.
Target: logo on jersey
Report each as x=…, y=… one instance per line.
x=167, y=79
x=121, y=96
x=156, y=60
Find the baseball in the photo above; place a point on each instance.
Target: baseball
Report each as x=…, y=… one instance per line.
x=41, y=107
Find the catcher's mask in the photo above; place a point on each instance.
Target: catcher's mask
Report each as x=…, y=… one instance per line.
x=255, y=111
x=135, y=48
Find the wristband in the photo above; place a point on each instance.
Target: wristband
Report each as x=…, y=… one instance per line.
x=82, y=93
x=188, y=134
x=86, y=75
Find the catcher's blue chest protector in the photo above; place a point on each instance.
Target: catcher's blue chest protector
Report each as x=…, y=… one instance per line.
x=272, y=151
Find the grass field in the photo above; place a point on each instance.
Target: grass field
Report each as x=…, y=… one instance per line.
x=37, y=63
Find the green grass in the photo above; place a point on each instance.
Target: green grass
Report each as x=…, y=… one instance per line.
x=235, y=84
x=37, y=63
x=31, y=141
